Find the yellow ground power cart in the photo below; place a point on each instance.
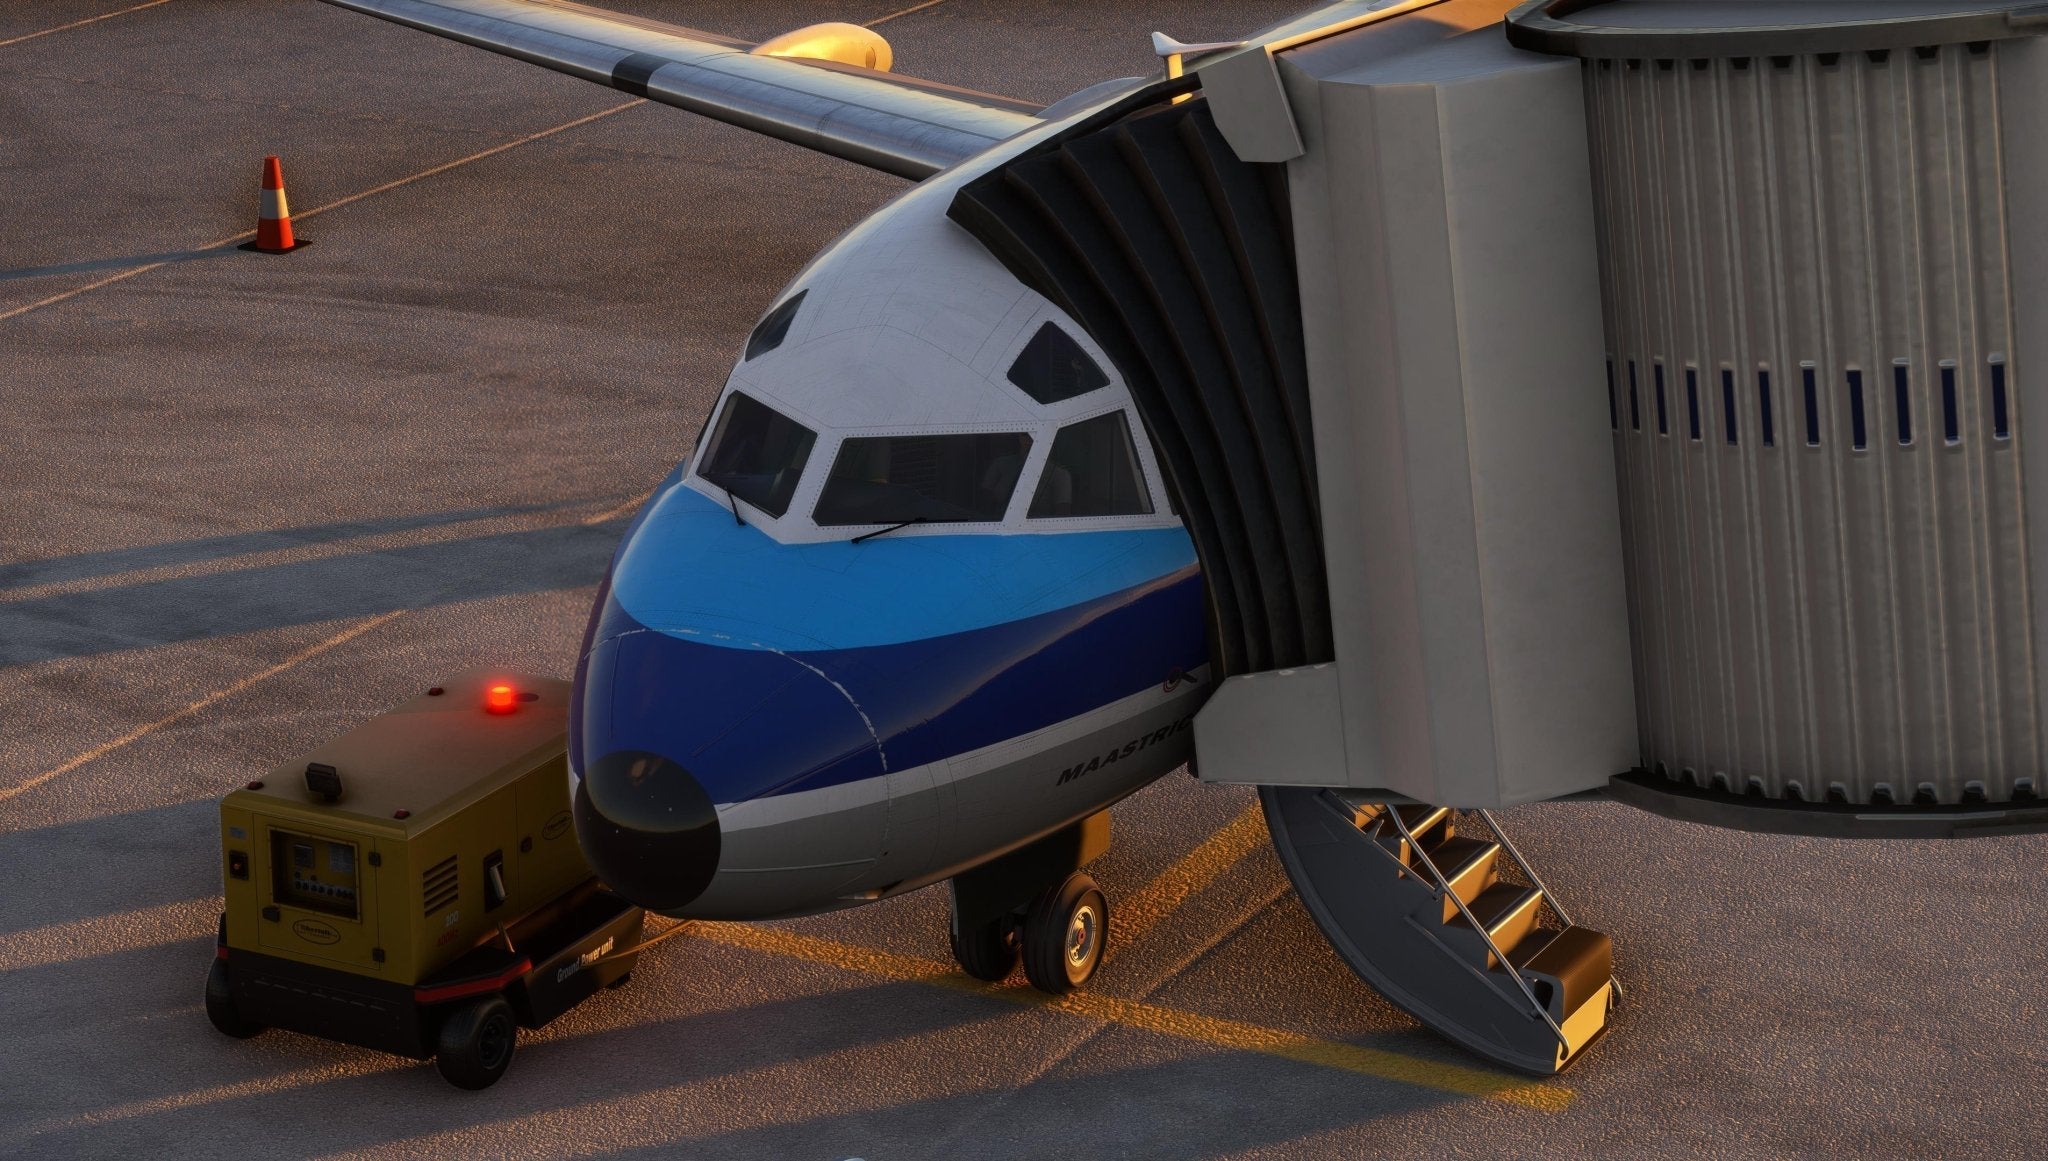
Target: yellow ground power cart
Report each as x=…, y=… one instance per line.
x=415, y=886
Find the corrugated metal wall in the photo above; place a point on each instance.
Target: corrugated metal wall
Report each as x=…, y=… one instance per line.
x=1815, y=401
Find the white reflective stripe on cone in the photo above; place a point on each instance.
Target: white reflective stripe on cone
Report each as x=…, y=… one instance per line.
x=271, y=205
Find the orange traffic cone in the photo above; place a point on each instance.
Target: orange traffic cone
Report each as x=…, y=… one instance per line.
x=273, y=216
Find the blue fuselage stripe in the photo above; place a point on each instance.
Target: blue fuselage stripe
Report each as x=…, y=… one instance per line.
x=688, y=569
x=756, y=702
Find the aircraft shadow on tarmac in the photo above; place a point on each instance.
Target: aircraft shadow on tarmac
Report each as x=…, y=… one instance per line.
x=127, y=262
x=129, y=1017
x=62, y=877
x=607, y=1067
x=87, y=565
x=303, y=592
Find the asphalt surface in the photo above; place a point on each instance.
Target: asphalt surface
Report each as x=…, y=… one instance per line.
x=247, y=501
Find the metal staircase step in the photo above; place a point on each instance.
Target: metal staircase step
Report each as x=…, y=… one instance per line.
x=1571, y=971
x=1467, y=864
x=1568, y=968
x=1430, y=826
x=1532, y=943
x=1507, y=911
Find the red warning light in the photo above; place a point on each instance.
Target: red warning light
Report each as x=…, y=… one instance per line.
x=501, y=699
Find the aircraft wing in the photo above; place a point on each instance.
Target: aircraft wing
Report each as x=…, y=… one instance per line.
x=901, y=125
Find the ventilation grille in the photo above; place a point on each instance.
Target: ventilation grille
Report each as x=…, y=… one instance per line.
x=1816, y=418
x=439, y=884
x=1178, y=259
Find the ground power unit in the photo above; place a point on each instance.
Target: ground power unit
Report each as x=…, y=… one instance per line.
x=415, y=886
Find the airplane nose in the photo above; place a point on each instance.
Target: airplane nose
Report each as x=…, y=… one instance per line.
x=648, y=828
x=670, y=727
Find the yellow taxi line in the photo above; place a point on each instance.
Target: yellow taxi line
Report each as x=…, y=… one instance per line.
x=300, y=553
x=1236, y=1035
x=626, y=508
x=333, y=205
x=903, y=12
x=100, y=751
x=82, y=23
x=1133, y=917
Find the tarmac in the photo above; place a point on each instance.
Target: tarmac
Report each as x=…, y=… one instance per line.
x=247, y=501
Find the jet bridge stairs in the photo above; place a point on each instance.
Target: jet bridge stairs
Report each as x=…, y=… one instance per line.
x=1474, y=947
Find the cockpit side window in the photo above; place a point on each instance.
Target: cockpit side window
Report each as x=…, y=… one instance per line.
x=1052, y=367
x=1092, y=471
x=757, y=454
x=772, y=329
x=940, y=478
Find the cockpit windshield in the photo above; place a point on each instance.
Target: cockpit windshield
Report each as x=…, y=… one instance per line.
x=757, y=454
x=939, y=478
x=1092, y=471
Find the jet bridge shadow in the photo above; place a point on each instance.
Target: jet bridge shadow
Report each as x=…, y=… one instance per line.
x=596, y=1078
x=125, y=262
x=334, y=588
x=88, y=565
x=550, y=1078
x=66, y=872
x=1215, y=1105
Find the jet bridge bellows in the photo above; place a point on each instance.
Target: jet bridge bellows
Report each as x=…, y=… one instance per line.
x=1176, y=256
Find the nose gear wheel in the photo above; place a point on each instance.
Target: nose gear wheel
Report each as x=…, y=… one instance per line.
x=1064, y=934
x=986, y=951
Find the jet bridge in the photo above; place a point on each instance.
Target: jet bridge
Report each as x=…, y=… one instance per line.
x=1590, y=395
x=1779, y=250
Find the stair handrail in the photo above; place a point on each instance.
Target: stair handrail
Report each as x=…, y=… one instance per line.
x=1500, y=836
x=1513, y=970
x=1443, y=888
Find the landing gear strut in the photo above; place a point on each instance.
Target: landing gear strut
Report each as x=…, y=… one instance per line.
x=1035, y=904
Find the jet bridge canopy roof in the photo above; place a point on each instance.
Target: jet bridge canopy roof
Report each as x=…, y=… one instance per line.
x=1698, y=28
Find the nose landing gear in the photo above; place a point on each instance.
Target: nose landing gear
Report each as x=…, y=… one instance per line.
x=986, y=951
x=1034, y=904
x=1064, y=935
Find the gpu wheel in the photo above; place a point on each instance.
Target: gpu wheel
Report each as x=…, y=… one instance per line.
x=986, y=951
x=1064, y=934
x=220, y=1005
x=476, y=1042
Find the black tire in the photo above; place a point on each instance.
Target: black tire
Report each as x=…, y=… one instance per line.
x=986, y=951
x=1064, y=935
x=624, y=978
x=220, y=1005
x=476, y=1042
